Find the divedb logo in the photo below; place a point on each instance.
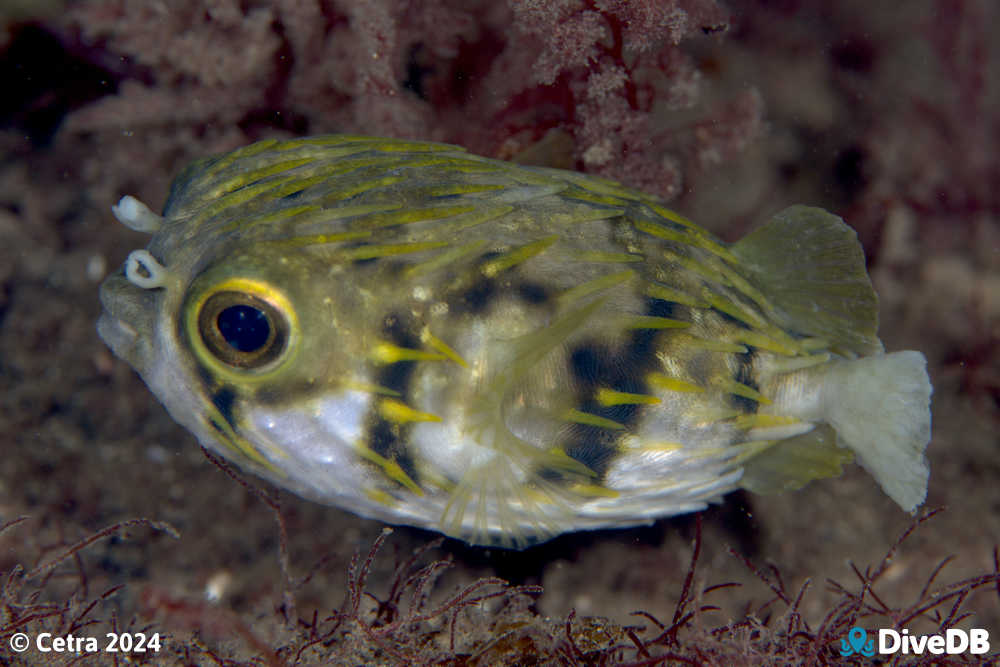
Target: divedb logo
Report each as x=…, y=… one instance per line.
x=975, y=641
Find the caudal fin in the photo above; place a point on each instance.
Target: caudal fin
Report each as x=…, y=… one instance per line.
x=880, y=408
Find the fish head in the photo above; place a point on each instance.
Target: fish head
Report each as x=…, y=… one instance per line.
x=258, y=351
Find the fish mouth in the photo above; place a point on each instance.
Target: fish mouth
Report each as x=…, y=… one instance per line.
x=126, y=323
x=117, y=335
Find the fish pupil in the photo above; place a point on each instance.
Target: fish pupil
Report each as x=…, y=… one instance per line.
x=245, y=328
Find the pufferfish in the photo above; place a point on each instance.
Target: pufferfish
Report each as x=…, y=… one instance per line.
x=504, y=353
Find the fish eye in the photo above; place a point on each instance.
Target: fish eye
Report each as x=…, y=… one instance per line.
x=242, y=330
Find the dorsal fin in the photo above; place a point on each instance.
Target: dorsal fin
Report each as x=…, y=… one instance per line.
x=811, y=266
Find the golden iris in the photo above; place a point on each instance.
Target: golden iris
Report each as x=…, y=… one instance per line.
x=243, y=325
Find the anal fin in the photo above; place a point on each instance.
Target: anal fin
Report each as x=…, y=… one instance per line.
x=790, y=464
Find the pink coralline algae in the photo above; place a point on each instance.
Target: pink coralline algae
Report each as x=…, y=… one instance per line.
x=495, y=77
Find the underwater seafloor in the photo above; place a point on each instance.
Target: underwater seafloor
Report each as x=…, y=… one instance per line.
x=113, y=520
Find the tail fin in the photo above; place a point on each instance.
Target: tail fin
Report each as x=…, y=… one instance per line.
x=880, y=408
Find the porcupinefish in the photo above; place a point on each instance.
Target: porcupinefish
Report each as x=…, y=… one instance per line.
x=504, y=353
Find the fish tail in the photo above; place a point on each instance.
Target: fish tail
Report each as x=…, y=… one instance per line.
x=880, y=409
